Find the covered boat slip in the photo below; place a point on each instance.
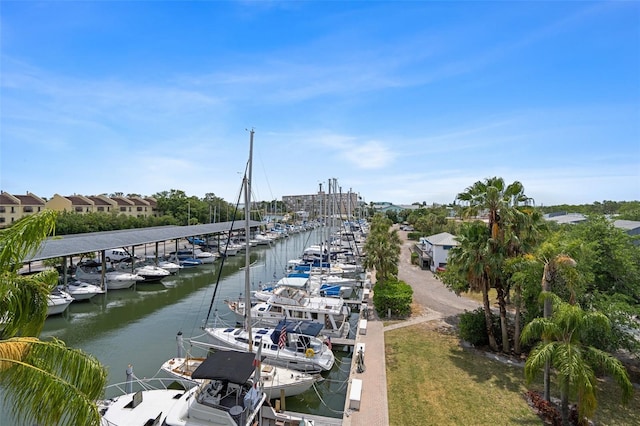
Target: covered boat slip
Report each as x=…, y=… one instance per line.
x=70, y=245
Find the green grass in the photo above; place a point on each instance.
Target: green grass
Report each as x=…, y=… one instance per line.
x=431, y=380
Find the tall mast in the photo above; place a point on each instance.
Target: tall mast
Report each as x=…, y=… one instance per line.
x=247, y=229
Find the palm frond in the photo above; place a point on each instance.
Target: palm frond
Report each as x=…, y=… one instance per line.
x=70, y=379
x=24, y=238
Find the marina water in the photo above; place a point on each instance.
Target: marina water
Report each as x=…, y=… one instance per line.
x=140, y=326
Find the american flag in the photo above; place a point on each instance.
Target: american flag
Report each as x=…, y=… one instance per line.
x=283, y=338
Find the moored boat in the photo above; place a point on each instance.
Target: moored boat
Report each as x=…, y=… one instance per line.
x=226, y=396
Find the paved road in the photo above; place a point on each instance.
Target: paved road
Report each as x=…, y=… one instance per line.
x=429, y=292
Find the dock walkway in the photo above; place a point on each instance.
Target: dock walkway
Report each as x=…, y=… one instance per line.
x=372, y=405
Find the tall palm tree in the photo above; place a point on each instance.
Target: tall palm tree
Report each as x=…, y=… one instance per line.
x=469, y=260
x=574, y=362
x=382, y=248
x=31, y=368
x=524, y=231
x=497, y=200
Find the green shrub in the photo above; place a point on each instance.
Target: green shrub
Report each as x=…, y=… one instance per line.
x=414, y=258
x=472, y=327
x=414, y=236
x=393, y=295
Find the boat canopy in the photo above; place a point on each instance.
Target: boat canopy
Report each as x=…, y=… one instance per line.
x=298, y=281
x=232, y=366
x=306, y=327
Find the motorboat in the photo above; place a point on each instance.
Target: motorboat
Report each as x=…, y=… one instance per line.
x=185, y=260
x=315, y=285
x=294, y=302
x=58, y=302
x=292, y=343
x=80, y=290
x=149, y=272
x=226, y=396
x=171, y=267
x=274, y=379
x=114, y=280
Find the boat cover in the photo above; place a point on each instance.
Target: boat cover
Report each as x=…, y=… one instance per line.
x=306, y=327
x=297, y=280
x=234, y=366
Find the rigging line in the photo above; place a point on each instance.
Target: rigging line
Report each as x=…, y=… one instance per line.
x=265, y=178
x=217, y=280
x=343, y=385
x=324, y=403
x=233, y=221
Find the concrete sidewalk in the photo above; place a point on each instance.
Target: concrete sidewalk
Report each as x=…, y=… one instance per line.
x=373, y=410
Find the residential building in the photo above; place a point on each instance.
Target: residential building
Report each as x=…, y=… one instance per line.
x=103, y=204
x=323, y=204
x=15, y=207
x=433, y=251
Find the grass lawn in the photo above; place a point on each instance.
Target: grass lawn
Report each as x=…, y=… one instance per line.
x=431, y=380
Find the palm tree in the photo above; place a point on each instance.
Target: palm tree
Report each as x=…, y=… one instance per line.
x=523, y=234
x=469, y=260
x=31, y=368
x=382, y=249
x=574, y=362
x=498, y=200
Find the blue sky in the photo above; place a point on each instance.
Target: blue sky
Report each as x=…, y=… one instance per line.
x=399, y=101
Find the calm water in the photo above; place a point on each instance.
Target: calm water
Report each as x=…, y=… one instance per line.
x=140, y=326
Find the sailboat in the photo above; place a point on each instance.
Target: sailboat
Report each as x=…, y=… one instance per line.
x=229, y=393
x=291, y=344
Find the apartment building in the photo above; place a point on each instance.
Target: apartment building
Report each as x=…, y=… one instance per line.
x=14, y=207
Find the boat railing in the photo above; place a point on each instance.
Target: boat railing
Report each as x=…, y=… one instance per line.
x=136, y=384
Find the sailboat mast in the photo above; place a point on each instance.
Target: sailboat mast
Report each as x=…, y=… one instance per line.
x=247, y=269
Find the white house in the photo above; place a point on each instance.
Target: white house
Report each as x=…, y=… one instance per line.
x=434, y=250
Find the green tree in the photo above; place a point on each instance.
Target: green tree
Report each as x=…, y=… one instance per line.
x=574, y=362
x=45, y=382
x=467, y=269
x=382, y=248
x=499, y=201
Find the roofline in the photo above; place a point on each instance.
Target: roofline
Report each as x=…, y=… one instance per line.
x=74, y=244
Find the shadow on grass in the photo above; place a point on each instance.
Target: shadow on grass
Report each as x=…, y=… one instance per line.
x=487, y=371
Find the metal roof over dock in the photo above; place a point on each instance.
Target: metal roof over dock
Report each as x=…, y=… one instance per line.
x=69, y=245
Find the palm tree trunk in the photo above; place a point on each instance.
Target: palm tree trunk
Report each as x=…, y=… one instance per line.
x=516, y=326
x=487, y=317
x=564, y=403
x=504, y=324
x=546, y=286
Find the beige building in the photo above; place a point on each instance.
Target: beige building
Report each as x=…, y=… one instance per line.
x=323, y=204
x=15, y=207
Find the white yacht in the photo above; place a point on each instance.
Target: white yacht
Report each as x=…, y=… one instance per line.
x=226, y=396
x=295, y=303
x=292, y=343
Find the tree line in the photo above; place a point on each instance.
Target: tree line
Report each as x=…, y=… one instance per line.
x=175, y=207
x=566, y=295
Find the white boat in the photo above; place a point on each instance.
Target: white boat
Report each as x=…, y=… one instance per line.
x=196, y=253
x=114, y=280
x=205, y=256
x=58, y=302
x=274, y=379
x=295, y=303
x=226, y=397
x=80, y=290
x=170, y=267
x=263, y=239
x=292, y=343
x=315, y=285
x=184, y=258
